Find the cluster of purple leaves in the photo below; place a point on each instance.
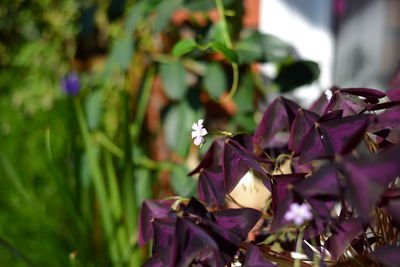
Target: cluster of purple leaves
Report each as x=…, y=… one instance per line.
x=345, y=153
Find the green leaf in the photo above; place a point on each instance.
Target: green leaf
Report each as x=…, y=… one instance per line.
x=203, y=5
x=259, y=47
x=173, y=75
x=121, y=55
x=183, y=46
x=164, y=14
x=93, y=109
x=177, y=127
x=215, y=81
x=229, y=54
x=182, y=184
x=244, y=98
x=297, y=74
x=143, y=183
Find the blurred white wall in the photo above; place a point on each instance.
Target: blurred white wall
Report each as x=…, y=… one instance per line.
x=306, y=25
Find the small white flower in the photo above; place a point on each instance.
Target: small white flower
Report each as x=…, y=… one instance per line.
x=198, y=132
x=328, y=94
x=298, y=213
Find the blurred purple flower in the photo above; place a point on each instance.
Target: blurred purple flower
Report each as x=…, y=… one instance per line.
x=298, y=213
x=198, y=132
x=70, y=83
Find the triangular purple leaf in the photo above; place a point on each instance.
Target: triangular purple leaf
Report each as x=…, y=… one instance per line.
x=254, y=258
x=238, y=221
x=151, y=209
x=367, y=178
x=211, y=186
x=303, y=122
x=342, y=237
x=278, y=116
x=192, y=243
x=212, y=158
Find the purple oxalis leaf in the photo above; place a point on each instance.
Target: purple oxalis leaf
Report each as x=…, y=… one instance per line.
x=337, y=136
x=350, y=104
x=164, y=231
x=280, y=187
x=212, y=158
x=371, y=95
x=153, y=262
x=277, y=117
x=237, y=161
x=151, y=209
x=342, y=237
x=254, y=258
x=238, y=221
x=393, y=94
x=211, y=186
x=389, y=256
x=368, y=177
x=193, y=244
x=303, y=122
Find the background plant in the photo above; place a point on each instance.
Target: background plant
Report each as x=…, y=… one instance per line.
x=75, y=169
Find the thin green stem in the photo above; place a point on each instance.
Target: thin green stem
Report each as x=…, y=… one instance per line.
x=299, y=242
x=229, y=44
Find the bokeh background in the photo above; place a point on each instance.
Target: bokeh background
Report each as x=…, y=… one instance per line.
x=74, y=168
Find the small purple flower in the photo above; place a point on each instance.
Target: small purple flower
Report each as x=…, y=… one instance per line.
x=198, y=132
x=298, y=213
x=70, y=83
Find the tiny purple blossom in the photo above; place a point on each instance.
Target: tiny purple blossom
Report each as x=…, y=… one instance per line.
x=298, y=213
x=198, y=132
x=70, y=83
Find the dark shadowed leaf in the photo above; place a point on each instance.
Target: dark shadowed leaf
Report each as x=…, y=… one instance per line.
x=297, y=74
x=237, y=161
x=370, y=95
x=337, y=136
x=212, y=158
x=342, y=237
x=388, y=256
x=323, y=184
x=151, y=209
x=194, y=207
x=191, y=243
x=303, y=122
x=367, y=178
x=276, y=118
x=211, y=186
x=183, y=46
x=238, y=221
x=261, y=48
x=280, y=187
x=164, y=231
x=254, y=258
x=153, y=262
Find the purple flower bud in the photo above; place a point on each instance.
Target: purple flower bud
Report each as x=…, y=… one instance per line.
x=70, y=83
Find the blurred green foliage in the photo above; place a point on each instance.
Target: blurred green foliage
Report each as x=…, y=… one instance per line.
x=74, y=170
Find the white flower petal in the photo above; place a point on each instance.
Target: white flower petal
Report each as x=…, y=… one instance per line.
x=194, y=134
x=198, y=140
x=195, y=127
x=200, y=123
x=203, y=131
